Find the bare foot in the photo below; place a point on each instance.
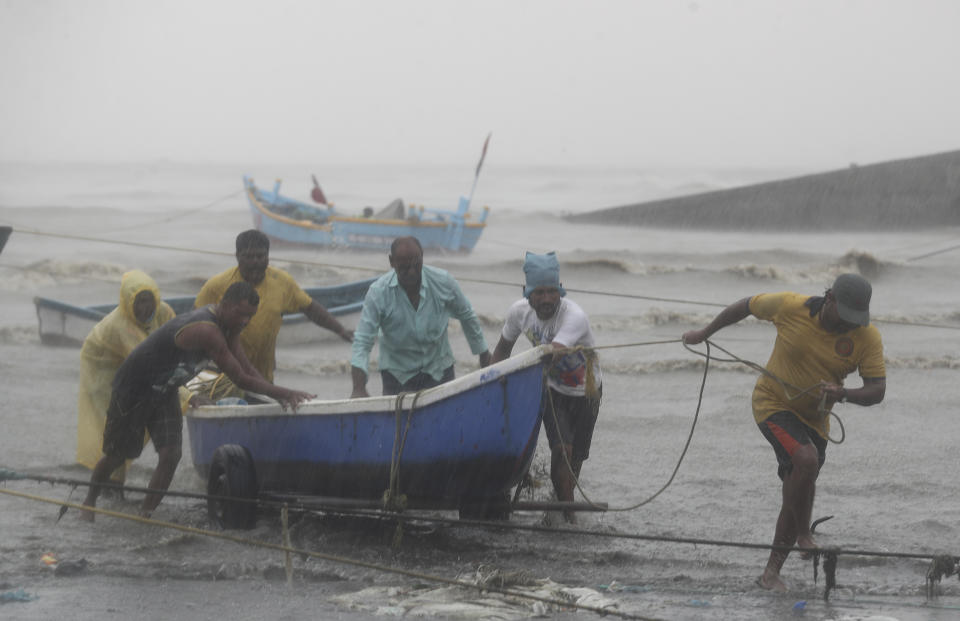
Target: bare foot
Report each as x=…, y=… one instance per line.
x=86, y=515
x=771, y=582
x=808, y=545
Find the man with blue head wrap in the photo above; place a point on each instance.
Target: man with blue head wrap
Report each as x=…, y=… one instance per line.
x=572, y=401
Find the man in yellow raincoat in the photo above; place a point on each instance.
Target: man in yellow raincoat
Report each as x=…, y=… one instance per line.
x=140, y=312
x=279, y=294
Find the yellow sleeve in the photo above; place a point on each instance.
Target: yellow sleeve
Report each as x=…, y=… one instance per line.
x=767, y=305
x=295, y=298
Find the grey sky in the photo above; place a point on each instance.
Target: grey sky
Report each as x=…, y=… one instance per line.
x=733, y=83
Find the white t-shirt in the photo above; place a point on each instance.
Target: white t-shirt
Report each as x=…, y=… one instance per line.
x=569, y=326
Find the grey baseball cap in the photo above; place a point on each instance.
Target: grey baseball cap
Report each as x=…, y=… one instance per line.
x=852, y=292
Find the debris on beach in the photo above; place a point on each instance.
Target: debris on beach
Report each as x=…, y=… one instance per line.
x=476, y=603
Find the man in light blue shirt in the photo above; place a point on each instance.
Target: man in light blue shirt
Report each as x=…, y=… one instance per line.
x=409, y=308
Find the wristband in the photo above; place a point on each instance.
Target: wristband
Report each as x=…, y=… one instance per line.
x=843, y=399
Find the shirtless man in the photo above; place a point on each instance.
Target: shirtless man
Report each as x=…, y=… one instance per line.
x=145, y=388
x=820, y=340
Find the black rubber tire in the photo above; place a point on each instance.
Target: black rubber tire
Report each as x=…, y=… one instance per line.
x=233, y=474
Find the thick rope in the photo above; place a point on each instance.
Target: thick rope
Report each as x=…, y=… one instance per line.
x=589, y=351
x=393, y=500
x=683, y=453
x=7, y=474
x=787, y=387
x=329, y=557
x=939, y=567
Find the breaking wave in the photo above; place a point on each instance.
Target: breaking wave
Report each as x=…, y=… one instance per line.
x=922, y=362
x=18, y=335
x=600, y=264
x=858, y=261
x=52, y=271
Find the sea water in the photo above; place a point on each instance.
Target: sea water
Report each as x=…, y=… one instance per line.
x=891, y=485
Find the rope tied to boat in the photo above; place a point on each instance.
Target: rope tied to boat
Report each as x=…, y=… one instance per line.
x=393, y=500
x=686, y=446
x=790, y=391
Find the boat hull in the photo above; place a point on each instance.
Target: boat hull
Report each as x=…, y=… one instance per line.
x=67, y=325
x=471, y=438
x=451, y=231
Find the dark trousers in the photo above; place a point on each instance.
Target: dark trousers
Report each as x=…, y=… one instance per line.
x=392, y=386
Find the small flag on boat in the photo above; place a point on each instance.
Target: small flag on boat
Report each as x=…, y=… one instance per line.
x=317, y=194
x=483, y=154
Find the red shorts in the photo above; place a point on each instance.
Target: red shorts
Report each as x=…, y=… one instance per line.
x=785, y=432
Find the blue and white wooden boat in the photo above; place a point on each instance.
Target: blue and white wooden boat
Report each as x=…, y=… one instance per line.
x=288, y=220
x=61, y=323
x=466, y=440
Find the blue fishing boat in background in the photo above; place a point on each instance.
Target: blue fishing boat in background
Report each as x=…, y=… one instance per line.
x=288, y=220
x=462, y=442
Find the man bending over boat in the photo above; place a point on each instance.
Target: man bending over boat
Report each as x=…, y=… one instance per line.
x=145, y=388
x=279, y=294
x=572, y=400
x=139, y=313
x=410, y=307
x=820, y=340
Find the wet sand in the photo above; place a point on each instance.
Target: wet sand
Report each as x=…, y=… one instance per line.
x=726, y=490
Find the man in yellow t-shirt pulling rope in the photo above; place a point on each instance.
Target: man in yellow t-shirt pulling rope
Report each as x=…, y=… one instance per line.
x=820, y=340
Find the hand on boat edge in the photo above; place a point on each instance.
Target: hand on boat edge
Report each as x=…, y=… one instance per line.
x=293, y=399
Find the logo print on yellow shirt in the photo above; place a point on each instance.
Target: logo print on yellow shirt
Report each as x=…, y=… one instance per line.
x=844, y=346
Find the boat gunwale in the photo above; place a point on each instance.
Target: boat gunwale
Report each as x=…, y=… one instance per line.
x=385, y=404
x=99, y=311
